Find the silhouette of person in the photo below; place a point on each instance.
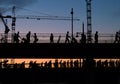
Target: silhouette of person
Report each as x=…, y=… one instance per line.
x=28, y=37
x=83, y=38
x=116, y=38
x=96, y=37
x=59, y=39
x=35, y=38
x=51, y=38
x=67, y=37
x=16, y=37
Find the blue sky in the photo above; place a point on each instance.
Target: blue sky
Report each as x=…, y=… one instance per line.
x=105, y=15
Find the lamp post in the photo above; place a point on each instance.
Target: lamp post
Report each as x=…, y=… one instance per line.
x=72, y=24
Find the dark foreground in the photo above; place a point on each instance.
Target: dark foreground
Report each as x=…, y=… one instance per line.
x=67, y=76
x=47, y=50
x=87, y=75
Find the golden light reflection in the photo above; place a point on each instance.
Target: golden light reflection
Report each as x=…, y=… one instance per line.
x=44, y=61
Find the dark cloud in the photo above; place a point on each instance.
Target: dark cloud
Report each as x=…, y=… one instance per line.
x=17, y=2
x=4, y=4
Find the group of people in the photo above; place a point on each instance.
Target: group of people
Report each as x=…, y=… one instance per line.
x=17, y=38
x=68, y=38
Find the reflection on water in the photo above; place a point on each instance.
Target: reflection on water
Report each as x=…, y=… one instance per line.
x=57, y=63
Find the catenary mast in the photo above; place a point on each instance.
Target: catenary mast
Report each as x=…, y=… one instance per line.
x=89, y=21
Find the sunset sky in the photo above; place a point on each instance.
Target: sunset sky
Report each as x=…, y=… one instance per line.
x=105, y=15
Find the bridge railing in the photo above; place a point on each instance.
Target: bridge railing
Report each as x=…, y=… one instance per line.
x=45, y=38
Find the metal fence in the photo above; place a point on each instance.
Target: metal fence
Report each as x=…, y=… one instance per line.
x=45, y=37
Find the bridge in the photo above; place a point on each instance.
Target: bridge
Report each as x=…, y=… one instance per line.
x=86, y=70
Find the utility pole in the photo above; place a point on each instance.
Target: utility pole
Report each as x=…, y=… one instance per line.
x=89, y=22
x=72, y=24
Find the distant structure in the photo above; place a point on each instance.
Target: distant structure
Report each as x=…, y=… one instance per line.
x=13, y=23
x=89, y=24
x=72, y=25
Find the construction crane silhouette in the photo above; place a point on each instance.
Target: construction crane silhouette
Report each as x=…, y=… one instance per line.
x=6, y=28
x=14, y=17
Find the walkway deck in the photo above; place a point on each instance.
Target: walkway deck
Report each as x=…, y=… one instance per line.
x=47, y=50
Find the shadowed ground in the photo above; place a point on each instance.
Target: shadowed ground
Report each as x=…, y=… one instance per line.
x=86, y=75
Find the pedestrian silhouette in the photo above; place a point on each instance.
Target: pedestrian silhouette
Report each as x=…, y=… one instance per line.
x=83, y=38
x=67, y=37
x=51, y=38
x=16, y=37
x=28, y=37
x=116, y=38
x=35, y=38
x=96, y=37
x=59, y=39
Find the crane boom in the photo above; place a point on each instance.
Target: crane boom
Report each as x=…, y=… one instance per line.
x=41, y=17
x=45, y=17
x=32, y=17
